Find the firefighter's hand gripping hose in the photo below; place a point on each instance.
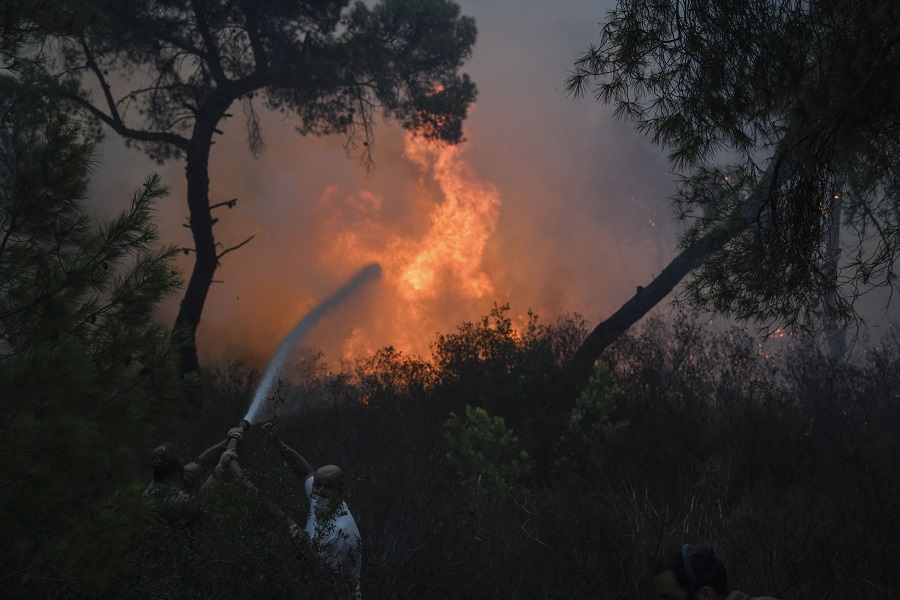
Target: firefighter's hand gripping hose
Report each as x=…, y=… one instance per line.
x=235, y=435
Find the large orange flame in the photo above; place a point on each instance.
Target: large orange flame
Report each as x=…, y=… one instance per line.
x=459, y=228
x=433, y=273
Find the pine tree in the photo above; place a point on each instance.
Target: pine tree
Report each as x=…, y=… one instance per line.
x=171, y=73
x=781, y=117
x=83, y=364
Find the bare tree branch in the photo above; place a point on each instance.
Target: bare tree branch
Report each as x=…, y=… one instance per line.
x=228, y=203
x=227, y=250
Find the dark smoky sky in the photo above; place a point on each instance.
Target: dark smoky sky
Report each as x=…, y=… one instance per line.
x=580, y=215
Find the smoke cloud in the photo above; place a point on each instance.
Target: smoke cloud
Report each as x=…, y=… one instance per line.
x=569, y=211
x=575, y=215
x=366, y=275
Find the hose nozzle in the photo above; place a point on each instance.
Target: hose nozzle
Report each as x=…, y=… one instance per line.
x=234, y=437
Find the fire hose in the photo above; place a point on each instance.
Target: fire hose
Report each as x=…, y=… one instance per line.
x=233, y=440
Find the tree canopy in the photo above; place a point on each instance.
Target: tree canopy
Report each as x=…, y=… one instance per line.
x=780, y=116
x=165, y=74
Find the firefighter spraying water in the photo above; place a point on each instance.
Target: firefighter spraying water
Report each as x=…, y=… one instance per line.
x=330, y=529
x=182, y=489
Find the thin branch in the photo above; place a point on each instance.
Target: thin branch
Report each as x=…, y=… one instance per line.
x=121, y=129
x=107, y=90
x=190, y=49
x=9, y=230
x=229, y=204
x=214, y=60
x=227, y=250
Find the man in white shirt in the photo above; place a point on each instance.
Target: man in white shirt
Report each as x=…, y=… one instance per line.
x=330, y=527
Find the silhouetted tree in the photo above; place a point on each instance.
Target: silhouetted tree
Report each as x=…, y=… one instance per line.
x=165, y=75
x=20, y=19
x=83, y=364
x=801, y=98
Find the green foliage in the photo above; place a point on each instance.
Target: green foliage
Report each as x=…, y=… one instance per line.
x=482, y=353
x=84, y=366
x=423, y=43
x=596, y=404
x=514, y=371
x=19, y=18
x=593, y=423
x=332, y=64
x=389, y=375
x=485, y=452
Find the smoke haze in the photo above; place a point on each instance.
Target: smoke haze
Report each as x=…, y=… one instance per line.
x=548, y=205
x=366, y=275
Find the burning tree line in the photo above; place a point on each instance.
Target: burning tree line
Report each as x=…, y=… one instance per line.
x=85, y=368
x=801, y=97
x=686, y=434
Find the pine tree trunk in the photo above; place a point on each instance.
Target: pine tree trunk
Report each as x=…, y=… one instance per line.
x=581, y=365
x=201, y=223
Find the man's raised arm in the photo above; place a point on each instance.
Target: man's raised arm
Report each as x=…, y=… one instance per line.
x=302, y=469
x=211, y=455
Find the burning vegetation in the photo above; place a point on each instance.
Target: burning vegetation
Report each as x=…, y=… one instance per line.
x=432, y=276
x=481, y=463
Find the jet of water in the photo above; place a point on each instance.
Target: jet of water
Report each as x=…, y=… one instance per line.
x=367, y=274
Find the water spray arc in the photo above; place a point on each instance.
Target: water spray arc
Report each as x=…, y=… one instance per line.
x=366, y=275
